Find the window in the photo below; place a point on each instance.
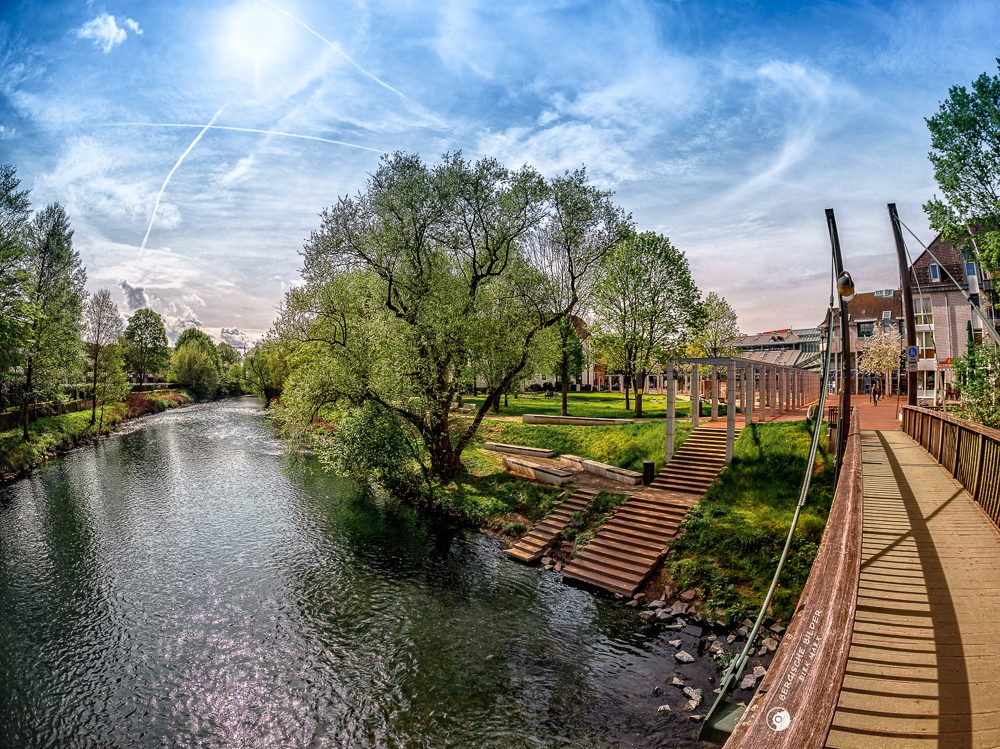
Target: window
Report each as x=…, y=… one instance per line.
x=925, y=342
x=935, y=274
x=866, y=329
x=922, y=311
x=886, y=321
x=970, y=270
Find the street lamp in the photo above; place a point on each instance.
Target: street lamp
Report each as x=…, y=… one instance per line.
x=845, y=289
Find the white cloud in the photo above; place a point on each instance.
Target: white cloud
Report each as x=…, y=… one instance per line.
x=6, y=134
x=104, y=30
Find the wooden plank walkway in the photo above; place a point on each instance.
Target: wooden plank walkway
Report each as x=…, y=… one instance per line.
x=531, y=548
x=924, y=666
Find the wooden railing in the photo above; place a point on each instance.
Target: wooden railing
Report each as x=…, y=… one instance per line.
x=970, y=451
x=796, y=700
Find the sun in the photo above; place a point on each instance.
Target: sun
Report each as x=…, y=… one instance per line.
x=256, y=33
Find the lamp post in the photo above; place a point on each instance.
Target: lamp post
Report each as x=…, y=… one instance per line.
x=845, y=289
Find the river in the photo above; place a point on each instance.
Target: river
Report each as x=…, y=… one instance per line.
x=183, y=584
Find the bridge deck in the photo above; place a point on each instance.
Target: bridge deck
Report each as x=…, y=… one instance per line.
x=924, y=667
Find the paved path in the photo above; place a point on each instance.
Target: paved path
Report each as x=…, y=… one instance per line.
x=924, y=667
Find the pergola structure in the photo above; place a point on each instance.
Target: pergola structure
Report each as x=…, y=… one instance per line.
x=759, y=388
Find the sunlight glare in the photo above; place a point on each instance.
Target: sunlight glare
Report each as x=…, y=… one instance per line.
x=256, y=33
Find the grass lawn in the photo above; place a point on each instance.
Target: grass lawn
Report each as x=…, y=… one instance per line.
x=733, y=537
x=595, y=405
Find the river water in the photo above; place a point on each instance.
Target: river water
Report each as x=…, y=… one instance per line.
x=184, y=584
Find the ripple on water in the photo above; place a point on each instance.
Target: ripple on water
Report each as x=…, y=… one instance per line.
x=181, y=584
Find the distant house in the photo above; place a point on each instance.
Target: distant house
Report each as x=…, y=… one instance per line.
x=866, y=313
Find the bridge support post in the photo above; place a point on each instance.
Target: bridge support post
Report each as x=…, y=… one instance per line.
x=730, y=411
x=715, y=393
x=668, y=450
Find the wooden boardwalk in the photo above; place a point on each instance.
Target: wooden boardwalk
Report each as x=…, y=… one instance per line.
x=541, y=538
x=924, y=664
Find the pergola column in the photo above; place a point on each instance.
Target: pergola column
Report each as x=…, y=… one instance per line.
x=762, y=393
x=715, y=393
x=774, y=392
x=695, y=395
x=668, y=451
x=730, y=411
x=748, y=395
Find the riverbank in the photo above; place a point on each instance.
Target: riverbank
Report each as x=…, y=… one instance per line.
x=56, y=435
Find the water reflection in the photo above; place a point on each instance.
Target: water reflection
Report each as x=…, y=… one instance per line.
x=177, y=585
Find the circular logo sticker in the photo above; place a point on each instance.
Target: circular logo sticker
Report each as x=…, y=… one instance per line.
x=778, y=719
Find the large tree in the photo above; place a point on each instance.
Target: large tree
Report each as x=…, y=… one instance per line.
x=645, y=305
x=965, y=137
x=428, y=271
x=719, y=330
x=15, y=214
x=146, y=346
x=52, y=348
x=102, y=328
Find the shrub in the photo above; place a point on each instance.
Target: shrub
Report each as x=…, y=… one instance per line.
x=192, y=366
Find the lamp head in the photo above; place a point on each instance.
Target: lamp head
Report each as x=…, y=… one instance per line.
x=845, y=286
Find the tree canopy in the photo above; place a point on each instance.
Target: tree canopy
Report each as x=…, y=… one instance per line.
x=645, y=304
x=719, y=329
x=102, y=328
x=431, y=273
x=965, y=137
x=51, y=347
x=146, y=346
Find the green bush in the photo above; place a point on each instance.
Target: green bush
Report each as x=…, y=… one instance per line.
x=192, y=366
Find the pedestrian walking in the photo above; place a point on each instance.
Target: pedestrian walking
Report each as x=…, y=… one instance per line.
x=876, y=392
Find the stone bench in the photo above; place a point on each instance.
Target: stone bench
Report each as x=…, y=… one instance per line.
x=531, y=452
x=580, y=421
x=529, y=470
x=469, y=407
x=622, y=475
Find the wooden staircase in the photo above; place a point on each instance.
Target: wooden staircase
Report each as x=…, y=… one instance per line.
x=632, y=543
x=541, y=538
x=694, y=467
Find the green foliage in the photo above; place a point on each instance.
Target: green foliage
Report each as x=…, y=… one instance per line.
x=265, y=370
x=51, y=349
x=718, y=328
x=192, y=365
x=433, y=274
x=111, y=384
x=195, y=337
x=146, y=346
x=978, y=375
x=367, y=444
x=599, y=405
x=489, y=499
x=965, y=138
x=732, y=539
x=15, y=210
x=645, y=303
x=232, y=380
x=228, y=356
x=50, y=435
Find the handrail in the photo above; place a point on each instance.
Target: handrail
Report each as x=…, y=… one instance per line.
x=969, y=451
x=795, y=702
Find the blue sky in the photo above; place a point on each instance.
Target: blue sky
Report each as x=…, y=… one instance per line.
x=727, y=126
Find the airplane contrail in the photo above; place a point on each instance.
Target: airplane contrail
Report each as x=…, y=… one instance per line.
x=210, y=126
x=171, y=174
x=337, y=48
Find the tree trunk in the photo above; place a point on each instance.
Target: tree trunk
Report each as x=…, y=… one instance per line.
x=640, y=380
x=626, y=385
x=446, y=462
x=565, y=383
x=27, y=403
x=93, y=402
